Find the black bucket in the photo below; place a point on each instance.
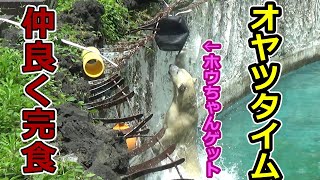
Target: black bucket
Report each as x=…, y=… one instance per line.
x=172, y=34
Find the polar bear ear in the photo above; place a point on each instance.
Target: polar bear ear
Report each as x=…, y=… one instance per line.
x=195, y=80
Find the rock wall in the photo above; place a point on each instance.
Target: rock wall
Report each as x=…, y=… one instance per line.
x=226, y=22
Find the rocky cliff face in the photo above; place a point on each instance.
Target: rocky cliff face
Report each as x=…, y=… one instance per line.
x=226, y=22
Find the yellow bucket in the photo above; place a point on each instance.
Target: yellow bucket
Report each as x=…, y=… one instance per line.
x=92, y=62
x=131, y=142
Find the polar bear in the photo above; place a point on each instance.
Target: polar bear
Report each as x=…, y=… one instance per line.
x=181, y=122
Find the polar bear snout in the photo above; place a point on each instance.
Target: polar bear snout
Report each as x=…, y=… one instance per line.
x=173, y=69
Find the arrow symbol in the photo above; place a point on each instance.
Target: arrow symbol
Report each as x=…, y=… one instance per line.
x=209, y=46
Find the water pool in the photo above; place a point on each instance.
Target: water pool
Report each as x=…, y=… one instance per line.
x=297, y=143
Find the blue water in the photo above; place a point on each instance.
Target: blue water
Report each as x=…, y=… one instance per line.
x=297, y=143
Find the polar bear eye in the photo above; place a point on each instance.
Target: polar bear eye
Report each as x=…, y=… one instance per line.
x=182, y=88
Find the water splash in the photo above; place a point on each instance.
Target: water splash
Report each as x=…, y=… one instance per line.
x=229, y=172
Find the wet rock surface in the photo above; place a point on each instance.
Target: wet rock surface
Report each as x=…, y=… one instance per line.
x=73, y=64
x=85, y=16
x=71, y=77
x=84, y=12
x=98, y=148
x=12, y=37
x=77, y=88
x=138, y=4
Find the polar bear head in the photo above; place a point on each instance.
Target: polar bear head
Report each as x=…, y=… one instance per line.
x=184, y=90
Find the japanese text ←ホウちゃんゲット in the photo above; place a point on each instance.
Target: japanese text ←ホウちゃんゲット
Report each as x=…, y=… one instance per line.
x=211, y=127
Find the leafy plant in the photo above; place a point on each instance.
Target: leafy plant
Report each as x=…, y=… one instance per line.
x=12, y=100
x=11, y=160
x=64, y=5
x=115, y=21
x=11, y=89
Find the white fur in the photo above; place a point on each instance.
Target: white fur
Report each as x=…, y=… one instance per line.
x=181, y=122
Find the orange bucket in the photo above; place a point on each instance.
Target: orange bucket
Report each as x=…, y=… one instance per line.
x=123, y=127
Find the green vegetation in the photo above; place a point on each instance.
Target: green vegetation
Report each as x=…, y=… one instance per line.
x=11, y=161
x=64, y=5
x=116, y=21
x=11, y=89
x=12, y=100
